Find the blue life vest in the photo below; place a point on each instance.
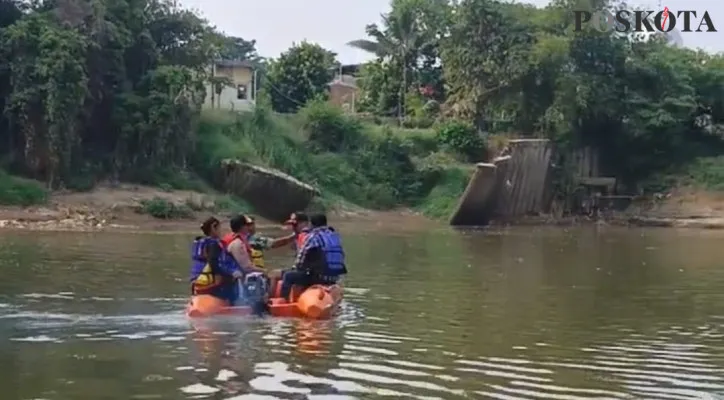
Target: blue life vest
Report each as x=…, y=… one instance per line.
x=199, y=262
x=333, y=252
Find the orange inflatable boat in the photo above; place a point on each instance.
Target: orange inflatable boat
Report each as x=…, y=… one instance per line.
x=317, y=302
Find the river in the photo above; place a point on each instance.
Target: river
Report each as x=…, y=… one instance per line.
x=524, y=313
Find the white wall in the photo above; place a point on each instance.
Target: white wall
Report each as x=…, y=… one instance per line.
x=228, y=99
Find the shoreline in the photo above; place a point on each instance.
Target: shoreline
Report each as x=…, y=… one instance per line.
x=117, y=209
x=87, y=219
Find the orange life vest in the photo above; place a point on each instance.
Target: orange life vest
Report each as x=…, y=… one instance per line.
x=229, y=237
x=301, y=237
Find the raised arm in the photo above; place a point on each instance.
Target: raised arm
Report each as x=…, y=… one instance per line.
x=281, y=241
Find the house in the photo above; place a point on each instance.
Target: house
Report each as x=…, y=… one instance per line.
x=343, y=92
x=239, y=90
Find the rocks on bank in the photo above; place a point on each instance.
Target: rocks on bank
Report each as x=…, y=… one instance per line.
x=106, y=207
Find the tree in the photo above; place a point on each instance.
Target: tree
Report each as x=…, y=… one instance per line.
x=411, y=29
x=486, y=55
x=300, y=74
x=236, y=48
x=113, y=86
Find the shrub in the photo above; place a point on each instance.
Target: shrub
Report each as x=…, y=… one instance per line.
x=462, y=138
x=161, y=208
x=21, y=192
x=328, y=128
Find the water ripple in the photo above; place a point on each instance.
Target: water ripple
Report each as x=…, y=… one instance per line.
x=438, y=319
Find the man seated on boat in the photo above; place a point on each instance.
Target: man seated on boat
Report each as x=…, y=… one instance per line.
x=255, y=283
x=237, y=243
x=299, y=223
x=213, y=270
x=260, y=243
x=320, y=260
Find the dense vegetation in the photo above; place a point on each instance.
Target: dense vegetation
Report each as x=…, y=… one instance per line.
x=514, y=68
x=114, y=88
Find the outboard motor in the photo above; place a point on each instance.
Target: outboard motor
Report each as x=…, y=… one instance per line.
x=256, y=288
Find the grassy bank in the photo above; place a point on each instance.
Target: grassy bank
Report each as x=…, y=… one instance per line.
x=16, y=191
x=371, y=166
x=704, y=174
x=352, y=162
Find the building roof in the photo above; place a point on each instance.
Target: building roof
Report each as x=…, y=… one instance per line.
x=235, y=63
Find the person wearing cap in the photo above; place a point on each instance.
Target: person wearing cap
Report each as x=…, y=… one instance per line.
x=299, y=222
x=213, y=270
x=259, y=243
x=320, y=260
x=237, y=243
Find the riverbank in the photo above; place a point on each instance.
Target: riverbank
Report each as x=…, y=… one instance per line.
x=124, y=207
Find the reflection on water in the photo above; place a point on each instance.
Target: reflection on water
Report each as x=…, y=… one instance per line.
x=590, y=313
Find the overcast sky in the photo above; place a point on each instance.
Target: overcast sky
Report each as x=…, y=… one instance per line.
x=276, y=24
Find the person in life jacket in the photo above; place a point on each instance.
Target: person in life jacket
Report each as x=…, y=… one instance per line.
x=260, y=243
x=299, y=224
x=320, y=260
x=237, y=244
x=213, y=270
x=254, y=288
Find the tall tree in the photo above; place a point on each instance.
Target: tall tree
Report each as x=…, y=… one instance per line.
x=411, y=29
x=300, y=74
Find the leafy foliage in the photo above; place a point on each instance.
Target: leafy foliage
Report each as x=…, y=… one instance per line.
x=328, y=129
x=300, y=74
x=511, y=67
x=21, y=192
x=113, y=87
x=462, y=138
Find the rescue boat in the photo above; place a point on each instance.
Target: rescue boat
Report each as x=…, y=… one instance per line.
x=316, y=302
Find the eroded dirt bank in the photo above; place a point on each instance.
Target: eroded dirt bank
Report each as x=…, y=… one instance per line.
x=119, y=208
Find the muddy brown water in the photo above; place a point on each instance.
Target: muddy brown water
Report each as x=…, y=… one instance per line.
x=531, y=313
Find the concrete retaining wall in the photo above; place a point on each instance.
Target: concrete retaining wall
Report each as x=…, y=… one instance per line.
x=476, y=197
x=524, y=186
x=273, y=194
x=512, y=186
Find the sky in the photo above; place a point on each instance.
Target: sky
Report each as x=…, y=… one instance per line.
x=276, y=24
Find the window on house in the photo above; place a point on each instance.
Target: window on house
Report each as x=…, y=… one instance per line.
x=241, y=92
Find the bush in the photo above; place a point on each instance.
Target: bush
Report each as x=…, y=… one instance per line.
x=163, y=209
x=704, y=173
x=462, y=138
x=444, y=196
x=328, y=128
x=21, y=192
x=364, y=164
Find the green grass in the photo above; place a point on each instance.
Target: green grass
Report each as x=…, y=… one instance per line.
x=444, y=196
x=163, y=209
x=705, y=173
x=361, y=164
x=16, y=191
x=353, y=163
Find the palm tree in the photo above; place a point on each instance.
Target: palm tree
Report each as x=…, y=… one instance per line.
x=400, y=41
